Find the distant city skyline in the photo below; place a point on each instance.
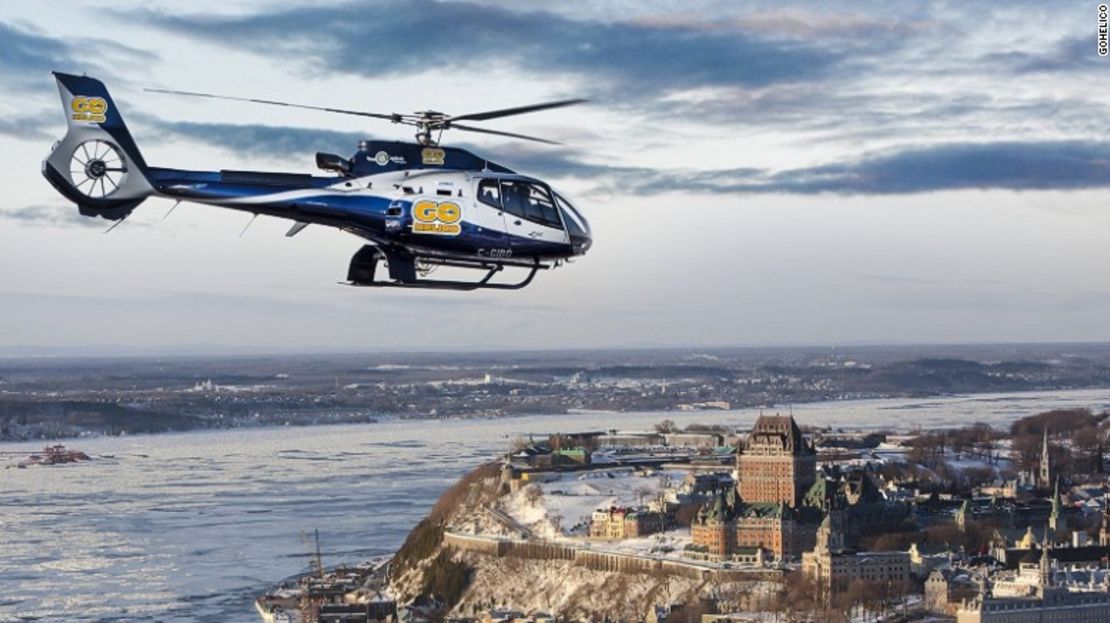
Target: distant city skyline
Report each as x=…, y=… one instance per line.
x=772, y=174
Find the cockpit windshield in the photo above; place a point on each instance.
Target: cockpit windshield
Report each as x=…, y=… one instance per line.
x=576, y=224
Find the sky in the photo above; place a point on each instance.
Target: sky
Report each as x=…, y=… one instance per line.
x=756, y=173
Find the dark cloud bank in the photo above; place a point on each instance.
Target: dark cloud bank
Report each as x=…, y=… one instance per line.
x=406, y=36
x=644, y=58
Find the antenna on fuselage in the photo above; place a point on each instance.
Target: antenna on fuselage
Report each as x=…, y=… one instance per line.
x=115, y=225
x=248, y=225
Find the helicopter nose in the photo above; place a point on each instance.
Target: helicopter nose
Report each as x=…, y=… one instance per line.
x=578, y=228
x=581, y=242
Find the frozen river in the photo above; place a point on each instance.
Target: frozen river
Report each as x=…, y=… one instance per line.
x=191, y=526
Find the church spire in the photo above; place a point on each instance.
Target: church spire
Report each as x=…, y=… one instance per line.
x=1044, y=474
x=1046, y=565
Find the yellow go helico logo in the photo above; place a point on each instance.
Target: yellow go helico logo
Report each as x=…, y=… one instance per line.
x=432, y=155
x=440, y=218
x=91, y=109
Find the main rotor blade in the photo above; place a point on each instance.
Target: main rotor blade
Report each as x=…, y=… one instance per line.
x=394, y=118
x=468, y=128
x=520, y=110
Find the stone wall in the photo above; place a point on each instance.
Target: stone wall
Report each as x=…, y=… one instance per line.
x=600, y=560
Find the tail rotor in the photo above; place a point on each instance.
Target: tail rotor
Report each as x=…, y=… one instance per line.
x=97, y=164
x=98, y=168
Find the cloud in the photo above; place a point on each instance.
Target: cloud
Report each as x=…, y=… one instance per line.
x=1049, y=165
x=38, y=126
x=1070, y=54
x=397, y=37
x=1044, y=165
x=279, y=142
x=1060, y=165
x=565, y=162
x=28, y=55
x=1033, y=165
x=266, y=141
x=849, y=27
x=846, y=73
x=1006, y=165
x=49, y=216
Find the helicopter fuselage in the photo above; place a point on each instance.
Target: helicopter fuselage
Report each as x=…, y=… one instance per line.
x=432, y=211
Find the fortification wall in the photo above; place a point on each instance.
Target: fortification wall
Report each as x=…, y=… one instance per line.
x=601, y=560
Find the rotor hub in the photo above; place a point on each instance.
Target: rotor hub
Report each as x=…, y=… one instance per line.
x=96, y=169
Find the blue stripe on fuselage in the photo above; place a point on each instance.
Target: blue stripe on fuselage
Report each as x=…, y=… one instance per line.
x=332, y=207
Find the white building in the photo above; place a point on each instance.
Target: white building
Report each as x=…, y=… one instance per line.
x=1039, y=593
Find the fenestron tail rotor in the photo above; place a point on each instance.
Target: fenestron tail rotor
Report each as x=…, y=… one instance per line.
x=97, y=168
x=426, y=122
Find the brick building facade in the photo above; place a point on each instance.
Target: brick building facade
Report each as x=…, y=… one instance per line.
x=776, y=464
x=775, y=468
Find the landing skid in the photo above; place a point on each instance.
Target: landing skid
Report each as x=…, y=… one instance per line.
x=403, y=272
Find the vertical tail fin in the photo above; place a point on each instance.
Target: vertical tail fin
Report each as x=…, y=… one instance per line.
x=97, y=164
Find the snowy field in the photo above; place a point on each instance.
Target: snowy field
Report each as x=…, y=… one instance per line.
x=559, y=506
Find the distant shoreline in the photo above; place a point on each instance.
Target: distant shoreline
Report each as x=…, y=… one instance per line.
x=66, y=399
x=708, y=414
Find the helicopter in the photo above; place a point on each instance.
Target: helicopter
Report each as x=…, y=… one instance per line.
x=418, y=205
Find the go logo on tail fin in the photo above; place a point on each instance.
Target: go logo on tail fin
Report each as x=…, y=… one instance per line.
x=90, y=109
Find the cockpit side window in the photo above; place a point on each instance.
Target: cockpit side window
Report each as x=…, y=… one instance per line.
x=489, y=193
x=530, y=201
x=514, y=198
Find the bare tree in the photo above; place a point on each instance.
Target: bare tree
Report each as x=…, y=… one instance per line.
x=556, y=521
x=1026, y=451
x=1088, y=449
x=798, y=599
x=666, y=426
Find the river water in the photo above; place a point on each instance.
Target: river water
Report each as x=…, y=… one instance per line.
x=192, y=526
